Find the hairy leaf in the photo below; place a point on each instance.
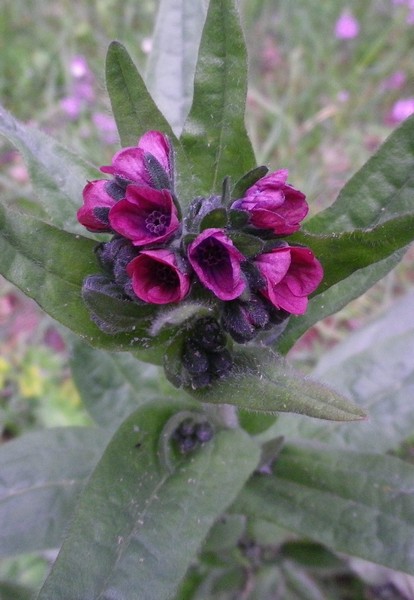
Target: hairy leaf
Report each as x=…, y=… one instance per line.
x=137, y=518
x=112, y=385
x=360, y=504
x=382, y=189
x=374, y=367
x=42, y=474
x=58, y=175
x=214, y=134
x=50, y=266
x=261, y=381
x=337, y=296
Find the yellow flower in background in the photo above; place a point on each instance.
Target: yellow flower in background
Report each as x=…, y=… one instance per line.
x=5, y=368
x=31, y=383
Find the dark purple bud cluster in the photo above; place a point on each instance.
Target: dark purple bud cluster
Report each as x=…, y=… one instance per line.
x=205, y=356
x=190, y=434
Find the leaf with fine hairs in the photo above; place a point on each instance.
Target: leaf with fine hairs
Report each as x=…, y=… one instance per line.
x=140, y=515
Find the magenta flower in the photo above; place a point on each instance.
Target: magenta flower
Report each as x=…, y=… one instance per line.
x=347, y=26
x=291, y=274
x=274, y=204
x=131, y=164
x=96, y=205
x=145, y=215
x=401, y=110
x=157, y=278
x=216, y=262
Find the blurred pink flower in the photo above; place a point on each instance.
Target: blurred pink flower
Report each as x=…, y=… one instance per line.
x=347, y=26
x=410, y=5
x=82, y=88
x=107, y=127
x=79, y=67
x=72, y=106
x=401, y=110
x=395, y=81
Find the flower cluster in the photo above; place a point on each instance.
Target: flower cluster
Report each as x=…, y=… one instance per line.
x=229, y=252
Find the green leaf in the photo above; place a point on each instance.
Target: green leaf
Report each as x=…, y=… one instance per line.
x=137, y=518
x=171, y=64
x=214, y=135
x=374, y=368
x=225, y=534
x=58, y=176
x=111, y=385
x=382, y=189
x=11, y=591
x=261, y=381
x=341, y=254
x=184, y=312
x=247, y=181
x=249, y=245
x=215, y=218
x=336, y=297
x=50, y=266
x=359, y=504
x=134, y=110
x=42, y=474
x=379, y=197
x=111, y=311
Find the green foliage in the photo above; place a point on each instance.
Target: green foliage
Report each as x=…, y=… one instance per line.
x=112, y=385
x=354, y=502
x=151, y=519
x=280, y=389
x=42, y=475
x=58, y=175
x=214, y=134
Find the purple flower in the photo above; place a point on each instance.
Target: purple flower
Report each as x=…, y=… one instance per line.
x=157, y=278
x=274, y=204
x=291, y=274
x=145, y=216
x=79, y=67
x=107, y=127
x=347, y=26
x=96, y=205
x=131, y=164
x=395, y=81
x=401, y=110
x=216, y=262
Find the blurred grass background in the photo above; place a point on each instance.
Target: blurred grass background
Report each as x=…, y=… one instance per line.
x=321, y=100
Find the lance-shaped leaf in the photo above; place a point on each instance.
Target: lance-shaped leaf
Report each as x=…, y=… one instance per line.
x=262, y=381
x=353, y=261
x=337, y=296
x=341, y=254
x=135, y=112
x=42, y=474
x=58, y=176
x=360, y=504
x=134, y=109
x=138, y=519
x=214, y=135
x=382, y=189
x=374, y=367
x=112, y=385
x=172, y=61
x=50, y=265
